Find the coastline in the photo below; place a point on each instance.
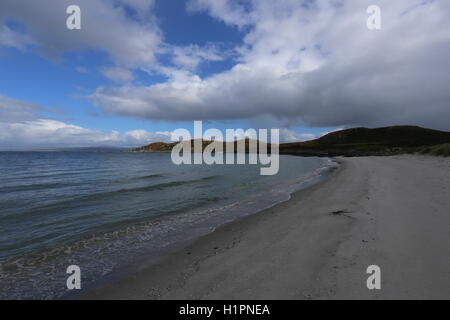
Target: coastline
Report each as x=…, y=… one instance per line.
x=318, y=244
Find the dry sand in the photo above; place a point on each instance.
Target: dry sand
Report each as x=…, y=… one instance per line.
x=393, y=212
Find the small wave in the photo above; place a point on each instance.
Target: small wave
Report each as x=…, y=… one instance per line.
x=159, y=186
x=37, y=186
x=209, y=178
x=151, y=176
x=138, y=178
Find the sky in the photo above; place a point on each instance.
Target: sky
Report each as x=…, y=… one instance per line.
x=139, y=69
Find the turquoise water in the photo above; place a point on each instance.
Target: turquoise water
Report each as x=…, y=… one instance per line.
x=104, y=211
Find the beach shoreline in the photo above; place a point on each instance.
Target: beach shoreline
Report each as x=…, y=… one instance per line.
x=385, y=211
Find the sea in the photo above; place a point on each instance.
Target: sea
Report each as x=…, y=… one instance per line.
x=109, y=212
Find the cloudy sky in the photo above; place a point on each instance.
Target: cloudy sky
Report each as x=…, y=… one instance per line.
x=139, y=69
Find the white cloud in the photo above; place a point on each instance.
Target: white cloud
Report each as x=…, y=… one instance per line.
x=12, y=110
x=141, y=137
x=22, y=128
x=189, y=57
x=13, y=39
x=140, y=5
x=230, y=12
x=107, y=26
x=287, y=135
x=81, y=69
x=312, y=63
x=118, y=74
x=48, y=133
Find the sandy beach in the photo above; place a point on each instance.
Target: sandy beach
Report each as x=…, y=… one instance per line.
x=393, y=212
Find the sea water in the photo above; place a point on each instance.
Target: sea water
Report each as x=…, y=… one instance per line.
x=104, y=211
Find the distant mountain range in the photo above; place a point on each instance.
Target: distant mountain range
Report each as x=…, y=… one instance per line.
x=348, y=142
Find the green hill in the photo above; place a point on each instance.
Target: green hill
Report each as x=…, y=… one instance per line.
x=167, y=147
x=155, y=147
x=364, y=141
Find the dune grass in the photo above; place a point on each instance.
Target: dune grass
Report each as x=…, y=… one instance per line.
x=438, y=150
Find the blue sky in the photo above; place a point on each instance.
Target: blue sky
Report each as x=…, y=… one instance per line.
x=139, y=69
